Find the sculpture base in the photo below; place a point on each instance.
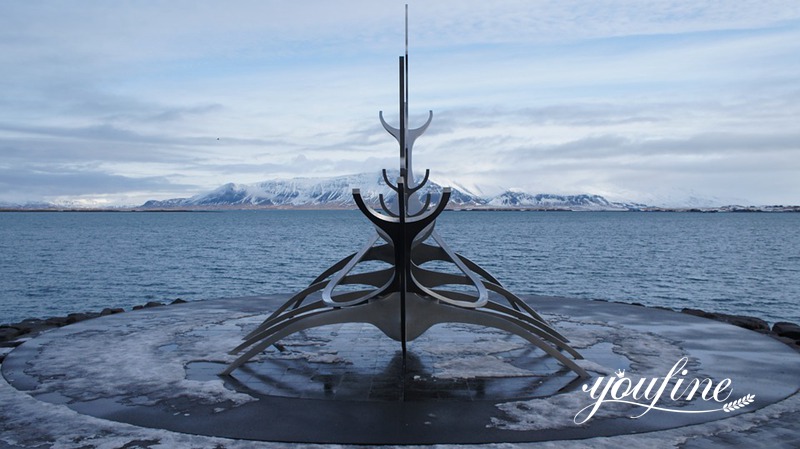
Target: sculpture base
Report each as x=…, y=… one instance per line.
x=156, y=369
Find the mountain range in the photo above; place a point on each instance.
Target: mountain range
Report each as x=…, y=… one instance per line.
x=336, y=193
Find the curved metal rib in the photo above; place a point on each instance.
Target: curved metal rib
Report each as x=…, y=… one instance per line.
x=482, y=318
x=478, y=269
x=483, y=295
x=431, y=214
x=423, y=208
x=428, y=314
x=377, y=219
x=296, y=324
x=515, y=302
x=467, y=301
x=534, y=326
x=333, y=269
x=266, y=328
x=373, y=278
x=383, y=253
x=432, y=279
x=421, y=183
x=422, y=236
x=327, y=292
x=386, y=208
x=389, y=128
x=414, y=133
x=388, y=183
x=294, y=302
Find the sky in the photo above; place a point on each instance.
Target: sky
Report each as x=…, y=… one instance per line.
x=661, y=102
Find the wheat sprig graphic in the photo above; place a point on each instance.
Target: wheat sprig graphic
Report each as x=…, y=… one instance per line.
x=739, y=403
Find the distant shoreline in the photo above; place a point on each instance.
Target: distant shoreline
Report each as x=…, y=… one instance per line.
x=99, y=210
x=723, y=209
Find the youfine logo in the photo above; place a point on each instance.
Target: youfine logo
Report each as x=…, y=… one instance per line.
x=657, y=392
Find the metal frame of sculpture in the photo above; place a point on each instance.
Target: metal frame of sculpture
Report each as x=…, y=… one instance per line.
x=406, y=299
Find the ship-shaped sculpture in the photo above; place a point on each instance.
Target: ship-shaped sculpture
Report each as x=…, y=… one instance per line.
x=406, y=299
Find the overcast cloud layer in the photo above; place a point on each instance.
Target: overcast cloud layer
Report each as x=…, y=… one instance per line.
x=118, y=102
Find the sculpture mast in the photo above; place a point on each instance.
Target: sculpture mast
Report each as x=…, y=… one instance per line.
x=405, y=156
x=406, y=137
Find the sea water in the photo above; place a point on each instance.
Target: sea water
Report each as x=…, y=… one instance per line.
x=55, y=263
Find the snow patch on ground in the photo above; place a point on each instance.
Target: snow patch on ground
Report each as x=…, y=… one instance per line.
x=313, y=357
x=477, y=366
x=148, y=366
x=588, y=365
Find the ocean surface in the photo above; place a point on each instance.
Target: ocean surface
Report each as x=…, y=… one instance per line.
x=55, y=263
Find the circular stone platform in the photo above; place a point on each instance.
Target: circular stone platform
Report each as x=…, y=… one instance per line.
x=157, y=368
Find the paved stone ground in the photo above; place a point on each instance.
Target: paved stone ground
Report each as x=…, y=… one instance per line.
x=331, y=366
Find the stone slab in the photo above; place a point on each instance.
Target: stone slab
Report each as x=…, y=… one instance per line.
x=154, y=368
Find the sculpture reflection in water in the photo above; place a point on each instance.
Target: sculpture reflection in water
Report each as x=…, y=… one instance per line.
x=407, y=297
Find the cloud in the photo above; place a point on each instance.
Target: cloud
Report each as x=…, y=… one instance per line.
x=556, y=95
x=22, y=184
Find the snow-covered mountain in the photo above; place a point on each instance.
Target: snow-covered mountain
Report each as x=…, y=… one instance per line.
x=688, y=198
x=515, y=198
x=336, y=192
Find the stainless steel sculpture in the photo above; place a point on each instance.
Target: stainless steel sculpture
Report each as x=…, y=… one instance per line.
x=405, y=299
